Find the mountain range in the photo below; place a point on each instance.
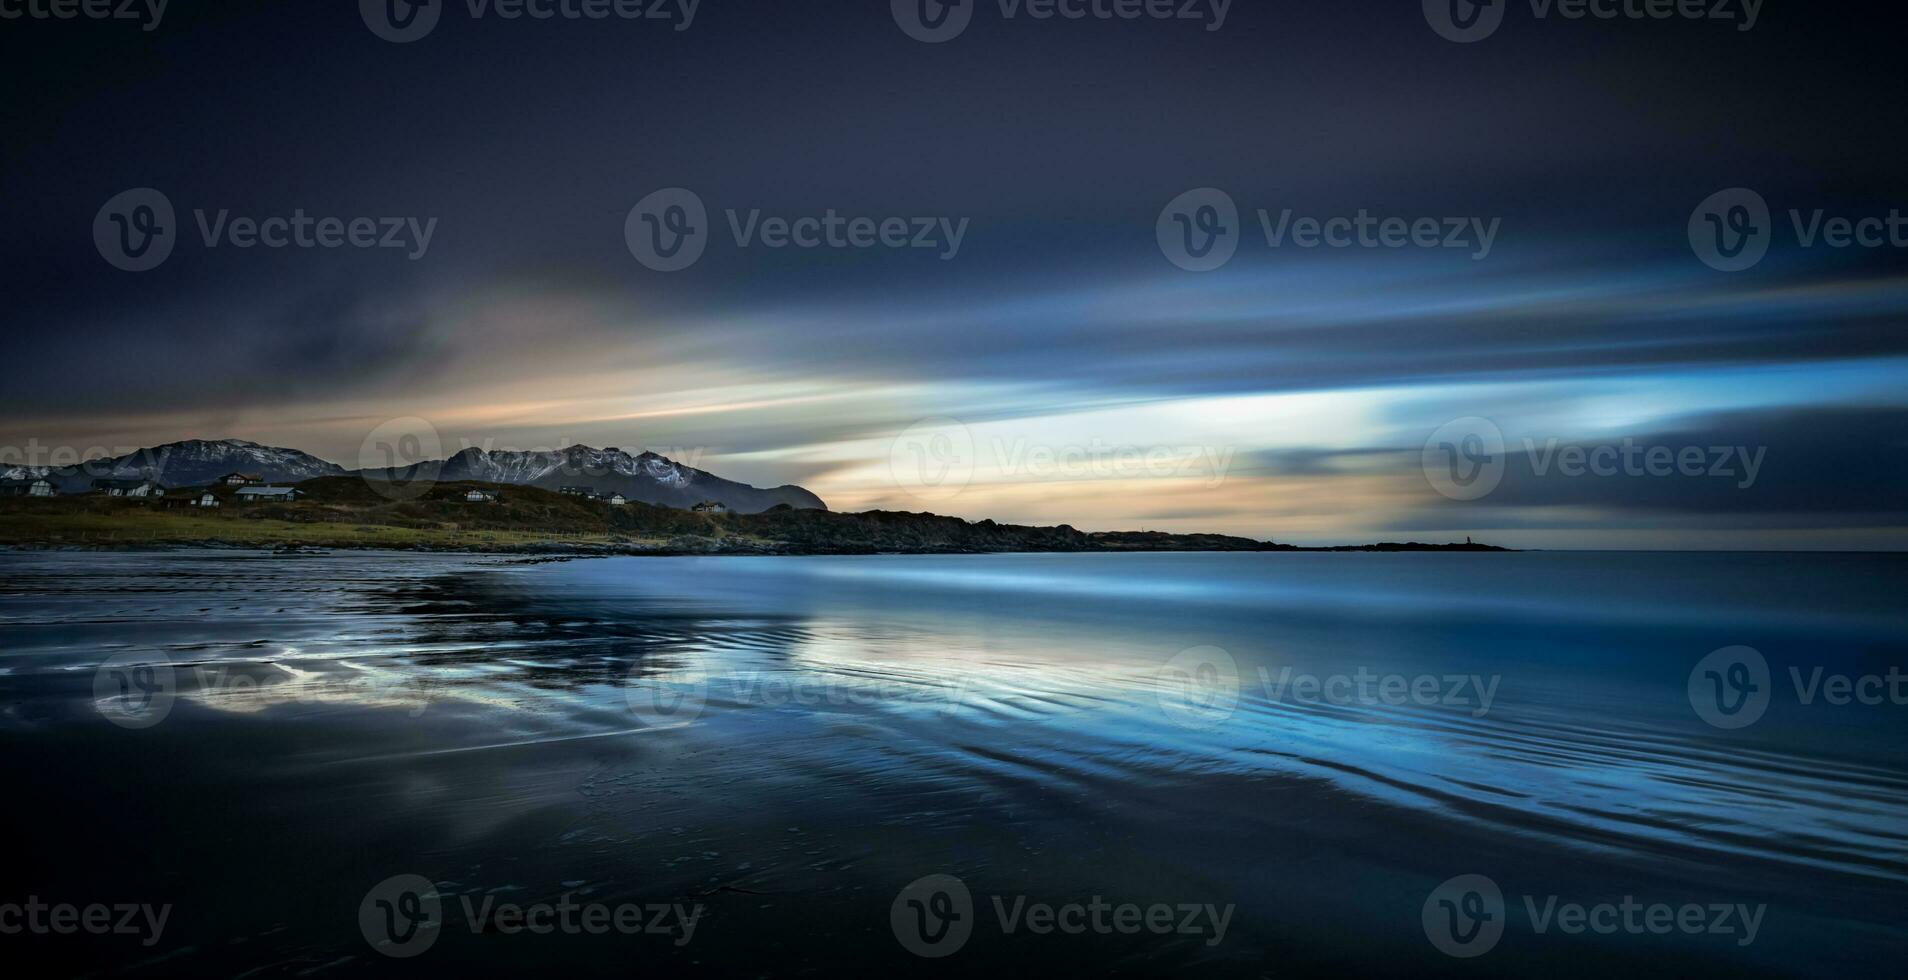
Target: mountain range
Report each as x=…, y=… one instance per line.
x=645, y=477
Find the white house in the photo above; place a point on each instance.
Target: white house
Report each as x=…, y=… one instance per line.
x=480, y=497
x=615, y=499
x=28, y=488
x=711, y=507
x=205, y=499
x=275, y=494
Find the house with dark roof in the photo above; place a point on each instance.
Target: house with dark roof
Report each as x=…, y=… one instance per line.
x=204, y=498
x=241, y=479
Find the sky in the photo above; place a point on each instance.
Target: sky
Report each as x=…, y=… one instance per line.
x=1567, y=358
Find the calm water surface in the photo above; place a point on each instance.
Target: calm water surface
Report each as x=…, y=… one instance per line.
x=784, y=744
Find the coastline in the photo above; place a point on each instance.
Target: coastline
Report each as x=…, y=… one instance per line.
x=337, y=513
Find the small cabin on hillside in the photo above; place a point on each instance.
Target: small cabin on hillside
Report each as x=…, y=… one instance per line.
x=28, y=487
x=241, y=479
x=711, y=507
x=280, y=495
x=579, y=491
x=480, y=497
x=129, y=488
x=614, y=499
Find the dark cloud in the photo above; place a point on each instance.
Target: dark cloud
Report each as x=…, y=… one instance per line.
x=529, y=141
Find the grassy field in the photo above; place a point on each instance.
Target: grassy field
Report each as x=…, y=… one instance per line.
x=342, y=513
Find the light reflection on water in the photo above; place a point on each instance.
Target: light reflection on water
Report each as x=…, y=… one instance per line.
x=975, y=697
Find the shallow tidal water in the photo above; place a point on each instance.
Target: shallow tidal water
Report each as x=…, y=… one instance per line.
x=1294, y=753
